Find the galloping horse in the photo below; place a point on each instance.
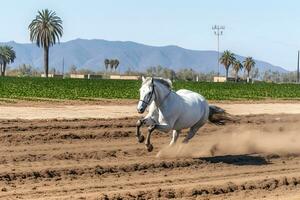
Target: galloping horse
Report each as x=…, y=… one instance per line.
x=169, y=110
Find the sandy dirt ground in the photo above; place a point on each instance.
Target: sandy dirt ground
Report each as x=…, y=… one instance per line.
x=83, y=111
x=254, y=157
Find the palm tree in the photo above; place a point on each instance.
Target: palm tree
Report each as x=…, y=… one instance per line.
x=45, y=30
x=227, y=59
x=7, y=55
x=237, y=66
x=112, y=64
x=106, y=63
x=116, y=64
x=249, y=63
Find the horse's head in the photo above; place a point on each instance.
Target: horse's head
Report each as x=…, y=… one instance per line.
x=146, y=94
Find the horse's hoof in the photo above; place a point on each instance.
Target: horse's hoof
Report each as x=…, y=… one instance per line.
x=149, y=147
x=141, y=139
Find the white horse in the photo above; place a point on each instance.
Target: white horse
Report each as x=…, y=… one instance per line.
x=169, y=110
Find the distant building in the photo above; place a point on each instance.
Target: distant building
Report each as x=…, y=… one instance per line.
x=223, y=79
x=125, y=77
x=219, y=78
x=52, y=75
x=83, y=76
x=86, y=76
x=114, y=77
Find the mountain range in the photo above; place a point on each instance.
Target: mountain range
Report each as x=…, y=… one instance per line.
x=90, y=54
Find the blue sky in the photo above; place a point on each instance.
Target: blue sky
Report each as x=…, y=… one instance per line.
x=264, y=29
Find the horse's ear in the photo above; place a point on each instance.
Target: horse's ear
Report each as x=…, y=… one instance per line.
x=143, y=79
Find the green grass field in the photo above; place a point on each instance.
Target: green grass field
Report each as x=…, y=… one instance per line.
x=31, y=88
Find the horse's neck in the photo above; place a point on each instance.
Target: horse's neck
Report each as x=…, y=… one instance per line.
x=163, y=102
x=161, y=93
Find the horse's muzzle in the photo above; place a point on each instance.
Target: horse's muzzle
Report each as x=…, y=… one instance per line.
x=141, y=110
x=141, y=107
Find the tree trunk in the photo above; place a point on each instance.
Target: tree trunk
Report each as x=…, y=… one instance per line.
x=248, y=76
x=227, y=74
x=2, y=69
x=46, y=60
x=236, y=76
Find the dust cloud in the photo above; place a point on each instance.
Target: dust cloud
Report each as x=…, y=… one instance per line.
x=271, y=139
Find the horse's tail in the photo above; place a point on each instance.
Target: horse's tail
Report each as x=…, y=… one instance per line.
x=218, y=115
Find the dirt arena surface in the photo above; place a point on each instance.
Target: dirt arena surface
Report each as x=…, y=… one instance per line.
x=125, y=108
x=254, y=157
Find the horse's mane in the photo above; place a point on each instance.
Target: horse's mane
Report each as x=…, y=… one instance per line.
x=165, y=82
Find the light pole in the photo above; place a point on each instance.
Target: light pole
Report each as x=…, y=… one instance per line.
x=298, y=68
x=63, y=67
x=218, y=30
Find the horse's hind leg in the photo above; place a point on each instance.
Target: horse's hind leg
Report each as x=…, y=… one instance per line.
x=175, y=135
x=193, y=130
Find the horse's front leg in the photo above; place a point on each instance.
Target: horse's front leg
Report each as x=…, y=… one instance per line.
x=139, y=123
x=164, y=128
x=148, y=144
x=149, y=121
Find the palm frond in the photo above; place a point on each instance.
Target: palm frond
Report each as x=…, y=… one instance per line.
x=46, y=29
x=227, y=59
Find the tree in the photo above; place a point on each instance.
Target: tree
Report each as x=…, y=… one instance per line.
x=46, y=29
x=249, y=63
x=227, y=59
x=53, y=70
x=73, y=69
x=7, y=55
x=86, y=71
x=25, y=70
x=267, y=76
x=116, y=64
x=112, y=64
x=160, y=71
x=186, y=74
x=255, y=73
x=106, y=63
x=237, y=66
